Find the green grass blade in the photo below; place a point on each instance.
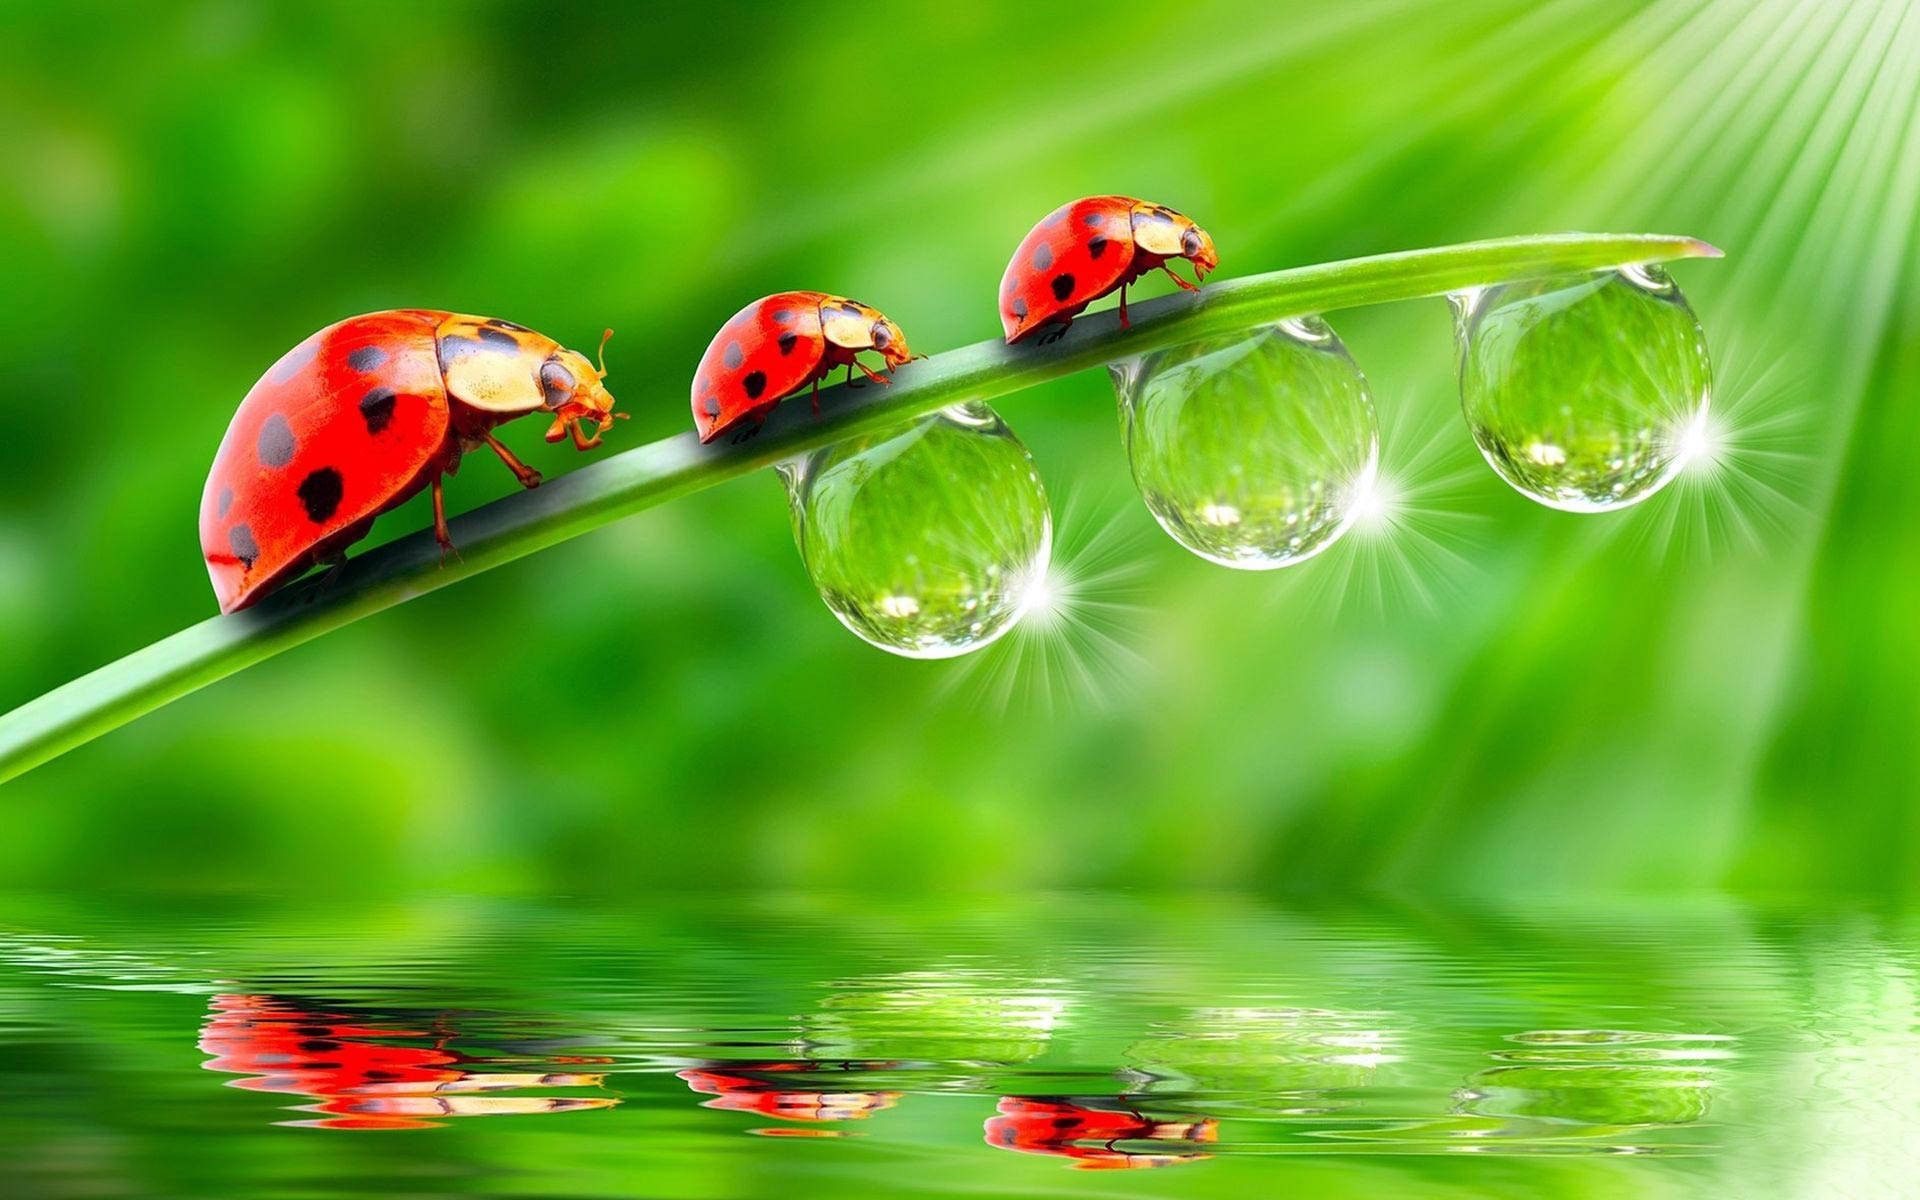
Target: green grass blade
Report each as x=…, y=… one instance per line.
x=624, y=483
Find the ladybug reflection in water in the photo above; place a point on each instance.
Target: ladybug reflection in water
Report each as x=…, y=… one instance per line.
x=365, y=1075
x=758, y=1088
x=1072, y=1127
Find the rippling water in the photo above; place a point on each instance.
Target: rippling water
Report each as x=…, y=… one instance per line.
x=1059, y=1046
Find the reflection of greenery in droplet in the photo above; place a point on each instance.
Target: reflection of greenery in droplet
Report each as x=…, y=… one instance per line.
x=1249, y=450
x=1581, y=390
x=940, y=1016
x=1259, y=1051
x=924, y=540
x=1612, y=1094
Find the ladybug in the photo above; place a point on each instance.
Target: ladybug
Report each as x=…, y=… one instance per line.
x=1084, y=250
x=779, y=344
x=361, y=416
x=1071, y=1128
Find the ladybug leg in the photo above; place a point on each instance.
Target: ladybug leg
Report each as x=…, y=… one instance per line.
x=1054, y=333
x=869, y=372
x=334, y=563
x=816, y=395
x=580, y=440
x=440, y=533
x=527, y=476
x=1184, y=285
x=1124, y=323
x=849, y=380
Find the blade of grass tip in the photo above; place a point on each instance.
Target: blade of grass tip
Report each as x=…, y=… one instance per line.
x=604, y=491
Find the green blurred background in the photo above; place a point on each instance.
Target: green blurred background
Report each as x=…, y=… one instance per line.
x=1715, y=689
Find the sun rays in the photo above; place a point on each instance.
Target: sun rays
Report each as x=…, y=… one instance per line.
x=1075, y=641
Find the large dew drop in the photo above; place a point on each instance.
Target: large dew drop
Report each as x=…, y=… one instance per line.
x=928, y=540
x=1251, y=451
x=1583, y=391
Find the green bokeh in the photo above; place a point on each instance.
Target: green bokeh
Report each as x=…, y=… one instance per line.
x=1715, y=688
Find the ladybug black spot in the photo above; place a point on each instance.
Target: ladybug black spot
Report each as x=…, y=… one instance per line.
x=783, y=315
x=320, y=493
x=497, y=323
x=276, y=442
x=1019, y=307
x=240, y=538
x=1065, y=1122
x=319, y=1046
x=1097, y=246
x=1093, y=220
x=366, y=358
x=1062, y=286
x=787, y=341
x=454, y=347
x=712, y=406
x=499, y=339
x=732, y=356
x=376, y=409
x=377, y=1073
x=226, y=500
x=1042, y=257
x=755, y=383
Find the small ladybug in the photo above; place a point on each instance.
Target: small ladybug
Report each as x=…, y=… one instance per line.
x=1072, y=1128
x=779, y=344
x=361, y=416
x=1086, y=249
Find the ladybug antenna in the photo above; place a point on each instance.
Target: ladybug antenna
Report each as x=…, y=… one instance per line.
x=601, y=354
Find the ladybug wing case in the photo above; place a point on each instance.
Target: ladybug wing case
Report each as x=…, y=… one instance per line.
x=343, y=427
x=766, y=351
x=1078, y=253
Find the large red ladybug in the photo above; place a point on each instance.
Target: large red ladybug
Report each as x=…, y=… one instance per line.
x=364, y=414
x=1073, y=1128
x=779, y=344
x=1084, y=250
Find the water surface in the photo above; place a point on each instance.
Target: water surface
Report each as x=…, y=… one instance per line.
x=1051, y=1046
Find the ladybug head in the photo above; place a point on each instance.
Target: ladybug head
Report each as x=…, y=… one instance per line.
x=1197, y=248
x=573, y=392
x=855, y=326
x=890, y=342
x=1161, y=231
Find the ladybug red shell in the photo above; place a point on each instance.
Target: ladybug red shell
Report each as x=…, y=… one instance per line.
x=1073, y=1129
x=364, y=414
x=1084, y=250
x=781, y=343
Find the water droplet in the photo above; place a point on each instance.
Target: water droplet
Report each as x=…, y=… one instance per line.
x=923, y=540
x=1583, y=391
x=1251, y=450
